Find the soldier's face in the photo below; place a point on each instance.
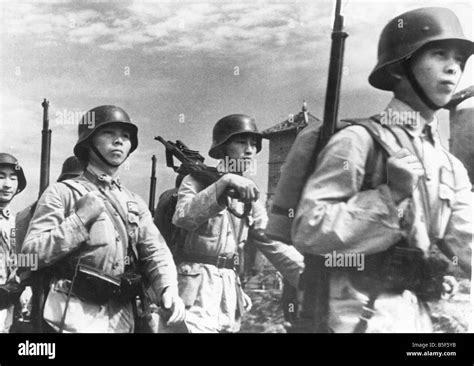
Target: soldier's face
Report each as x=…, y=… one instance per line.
x=438, y=69
x=8, y=183
x=242, y=149
x=113, y=142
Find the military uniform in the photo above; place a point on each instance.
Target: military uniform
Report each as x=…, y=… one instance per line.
x=212, y=293
x=8, y=244
x=342, y=212
x=347, y=205
x=57, y=235
x=120, y=239
x=7, y=270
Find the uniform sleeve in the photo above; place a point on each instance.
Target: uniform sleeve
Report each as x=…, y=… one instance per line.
x=285, y=258
x=195, y=206
x=51, y=235
x=457, y=241
x=155, y=257
x=333, y=214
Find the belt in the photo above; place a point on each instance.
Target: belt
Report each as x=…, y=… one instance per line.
x=220, y=261
x=98, y=287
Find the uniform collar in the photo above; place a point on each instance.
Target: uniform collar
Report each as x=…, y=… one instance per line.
x=5, y=212
x=404, y=116
x=103, y=178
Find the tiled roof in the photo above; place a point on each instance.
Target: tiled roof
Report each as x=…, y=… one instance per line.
x=299, y=121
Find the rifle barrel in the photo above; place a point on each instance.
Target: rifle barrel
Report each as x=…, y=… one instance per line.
x=151, y=202
x=45, y=148
x=331, y=105
x=460, y=97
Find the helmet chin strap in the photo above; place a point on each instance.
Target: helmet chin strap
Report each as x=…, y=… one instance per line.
x=417, y=87
x=101, y=157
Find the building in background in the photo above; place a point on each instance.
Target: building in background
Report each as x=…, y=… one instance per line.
x=281, y=137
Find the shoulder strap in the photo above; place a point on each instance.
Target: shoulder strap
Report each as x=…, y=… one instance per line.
x=116, y=206
x=374, y=131
x=82, y=188
x=74, y=185
x=406, y=141
x=451, y=163
x=237, y=235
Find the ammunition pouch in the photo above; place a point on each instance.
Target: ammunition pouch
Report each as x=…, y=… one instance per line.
x=401, y=268
x=130, y=285
x=97, y=287
x=9, y=294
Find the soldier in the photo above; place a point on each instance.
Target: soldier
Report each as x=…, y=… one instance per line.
x=100, y=237
x=208, y=282
x=417, y=201
x=12, y=182
x=71, y=168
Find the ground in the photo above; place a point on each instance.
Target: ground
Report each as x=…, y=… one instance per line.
x=266, y=316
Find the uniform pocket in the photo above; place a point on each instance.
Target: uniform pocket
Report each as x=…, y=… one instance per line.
x=446, y=193
x=189, y=283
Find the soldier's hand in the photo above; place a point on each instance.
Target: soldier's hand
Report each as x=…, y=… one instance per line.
x=247, y=189
x=403, y=170
x=173, y=305
x=90, y=206
x=247, y=302
x=26, y=302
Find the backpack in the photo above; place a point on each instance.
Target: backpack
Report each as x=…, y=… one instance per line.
x=299, y=165
x=163, y=219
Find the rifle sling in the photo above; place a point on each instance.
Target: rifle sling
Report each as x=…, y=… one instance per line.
x=236, y=236
x=240, y=255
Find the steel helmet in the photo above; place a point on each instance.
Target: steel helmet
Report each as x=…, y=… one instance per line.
x=7, y=159
x=98, y=117
x=229, y=126
x=408, y=32
x=71, y=168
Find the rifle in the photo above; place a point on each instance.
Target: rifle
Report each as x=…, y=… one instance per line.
x=45, y=149
x=460, y=97
x=193, y=163
x=316, y=275
x=39, y=282
x=151, y=201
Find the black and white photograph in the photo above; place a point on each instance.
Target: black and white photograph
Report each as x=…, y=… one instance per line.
x=236, y=167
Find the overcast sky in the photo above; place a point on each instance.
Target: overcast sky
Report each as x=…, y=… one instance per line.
x=177, y=68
